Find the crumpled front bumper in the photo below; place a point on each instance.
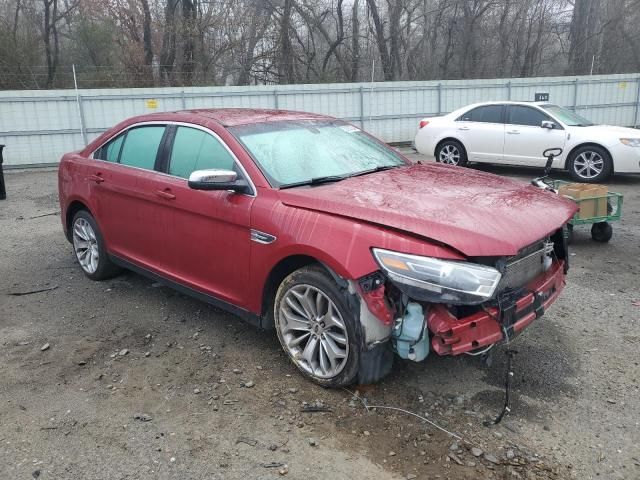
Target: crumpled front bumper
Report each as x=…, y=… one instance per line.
x=454, y=336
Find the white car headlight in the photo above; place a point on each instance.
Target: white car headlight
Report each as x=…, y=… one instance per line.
x=631, y=142
x=442, y=281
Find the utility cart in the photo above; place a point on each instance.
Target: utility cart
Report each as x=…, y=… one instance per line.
x=598, y=206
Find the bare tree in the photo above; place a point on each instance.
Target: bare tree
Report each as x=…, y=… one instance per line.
x=204, y=42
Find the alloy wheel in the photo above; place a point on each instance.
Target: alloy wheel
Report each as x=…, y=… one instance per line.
x=85, y=245
x=449, y=154
x=588, y=165
x=313, y=331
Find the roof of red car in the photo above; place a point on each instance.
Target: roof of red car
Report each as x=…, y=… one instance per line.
x=230, y=117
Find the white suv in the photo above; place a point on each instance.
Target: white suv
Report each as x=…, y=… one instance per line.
x=516, y=133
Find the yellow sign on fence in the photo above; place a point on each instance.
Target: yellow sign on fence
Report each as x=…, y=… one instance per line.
x=151, y=103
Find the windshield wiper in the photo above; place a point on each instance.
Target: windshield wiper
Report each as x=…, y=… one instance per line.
x=314, y=181
x=381, y=168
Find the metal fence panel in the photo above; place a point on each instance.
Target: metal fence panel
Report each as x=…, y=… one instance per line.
x=39, y=126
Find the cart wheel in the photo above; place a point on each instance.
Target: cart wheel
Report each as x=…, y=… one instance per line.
x=601, y=232
x=569, y=233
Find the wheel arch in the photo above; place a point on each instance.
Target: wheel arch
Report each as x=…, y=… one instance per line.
x=448, y=138
x=74, y=207
x=278, y=273
x=587, y=144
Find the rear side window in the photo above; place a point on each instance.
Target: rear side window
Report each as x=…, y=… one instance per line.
x=485, y=114
x=110, y=151
x=141, y=146
x=521, y=115
x=195, y=149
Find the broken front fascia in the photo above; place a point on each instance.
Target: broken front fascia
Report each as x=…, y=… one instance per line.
x=453, y=335
x=376, y=316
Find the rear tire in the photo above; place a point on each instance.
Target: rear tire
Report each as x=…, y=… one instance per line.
x=451, y=152
x=88, y=246
x=590, y=164
x=317, y=329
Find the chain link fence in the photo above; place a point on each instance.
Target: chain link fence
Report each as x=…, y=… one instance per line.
x=38, y=126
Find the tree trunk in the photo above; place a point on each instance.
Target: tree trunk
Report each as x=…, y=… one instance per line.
x=247, y=62
x=387, y=66
x=355, y=42
x=50, y=30
x=285, y=62
x=395, y=13
x=16, y=18
x=583, y=36
x=146, y=34
x=168, y=50
x=613, y=42
x=188, y=40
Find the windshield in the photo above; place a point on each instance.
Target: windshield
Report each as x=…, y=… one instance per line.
x=305, y=151
x=566, y=116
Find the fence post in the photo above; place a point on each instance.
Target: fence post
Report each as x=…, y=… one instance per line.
x=636, y=121
x=575, y=95
x=361, y=107
x=439, y=98
x=183, y=100
x=83, y=130
x=3, y=190
x=509, y=90
x=275, y=99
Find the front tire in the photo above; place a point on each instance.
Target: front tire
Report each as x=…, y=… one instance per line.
x=316, y=327
x=451, y=152
x=601, y=232
x=88, y=245
x=590, y=164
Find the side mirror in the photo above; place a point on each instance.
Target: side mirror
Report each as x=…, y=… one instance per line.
x=217, y=180
x=548, y=124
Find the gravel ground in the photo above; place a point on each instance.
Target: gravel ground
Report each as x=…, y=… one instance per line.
x=138, y=381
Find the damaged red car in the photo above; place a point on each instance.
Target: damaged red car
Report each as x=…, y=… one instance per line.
x=306, y=224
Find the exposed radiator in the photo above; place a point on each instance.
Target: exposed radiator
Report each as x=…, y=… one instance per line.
x=526, y=266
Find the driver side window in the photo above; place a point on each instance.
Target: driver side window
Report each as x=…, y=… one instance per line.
x=527, y=116
x=195, y=149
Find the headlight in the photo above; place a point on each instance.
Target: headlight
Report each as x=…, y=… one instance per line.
x=434, y=280
x=631, y=142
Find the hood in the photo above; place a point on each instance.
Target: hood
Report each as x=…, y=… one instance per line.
x=622, y=132
x=476, y=213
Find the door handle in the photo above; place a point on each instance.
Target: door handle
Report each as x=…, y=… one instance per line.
x=513, y=132
x=464, y=128
x=96, y=178
x=166, y=194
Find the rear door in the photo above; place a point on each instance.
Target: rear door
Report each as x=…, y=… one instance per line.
x=122, y=197
x=207, y=234
x=525, y=139
x=481, y=130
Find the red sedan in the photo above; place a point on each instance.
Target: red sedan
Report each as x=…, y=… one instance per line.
x=306, y=224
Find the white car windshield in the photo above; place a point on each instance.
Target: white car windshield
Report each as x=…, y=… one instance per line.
x=566, y=116
x=301, y=152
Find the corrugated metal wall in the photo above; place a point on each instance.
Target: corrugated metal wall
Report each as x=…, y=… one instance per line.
x=39, y=126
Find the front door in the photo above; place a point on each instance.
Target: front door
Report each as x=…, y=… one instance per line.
x=207, y=237
x=525, y=139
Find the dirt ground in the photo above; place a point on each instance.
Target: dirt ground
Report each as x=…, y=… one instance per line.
x=216, y=398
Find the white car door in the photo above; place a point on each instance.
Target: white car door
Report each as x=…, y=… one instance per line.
x=525, y=139
x=481, y=131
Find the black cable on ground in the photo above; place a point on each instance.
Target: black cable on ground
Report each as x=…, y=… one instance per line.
x=507, y=388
